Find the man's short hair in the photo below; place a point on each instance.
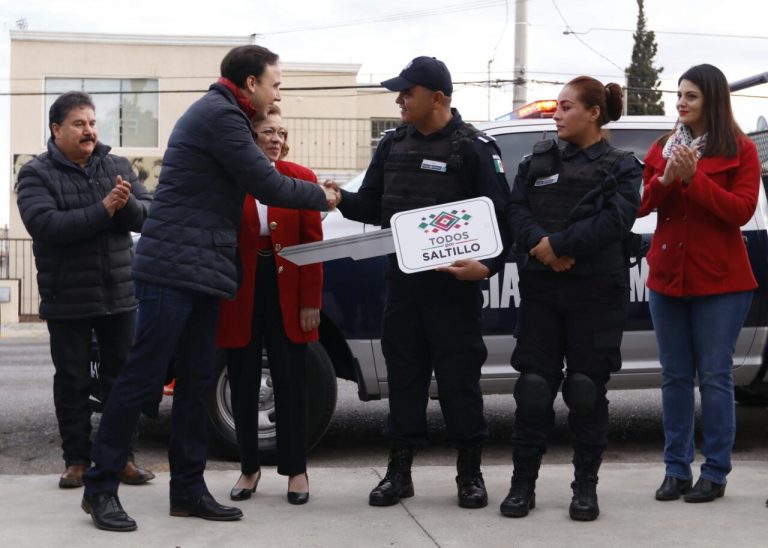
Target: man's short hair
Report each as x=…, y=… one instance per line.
x=244, y=61
x=66, y=103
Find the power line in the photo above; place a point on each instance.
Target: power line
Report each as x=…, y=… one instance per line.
x=570, y=31
x=400, y=16
x=498, y=82
x=672, y=32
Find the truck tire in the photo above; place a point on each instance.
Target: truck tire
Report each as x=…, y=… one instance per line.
x=752, y=395
x=321, y=404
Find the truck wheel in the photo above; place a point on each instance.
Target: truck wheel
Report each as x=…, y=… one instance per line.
x=752, y=396
x=321, y=404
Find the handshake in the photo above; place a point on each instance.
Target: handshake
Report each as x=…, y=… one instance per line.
x=332, y=193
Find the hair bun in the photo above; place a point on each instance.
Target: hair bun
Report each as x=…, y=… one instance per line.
x=614, y=100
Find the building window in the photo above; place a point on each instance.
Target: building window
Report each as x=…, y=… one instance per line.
x=126, y=109
x=379, y=126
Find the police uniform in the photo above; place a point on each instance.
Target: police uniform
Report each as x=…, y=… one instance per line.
x=432, y=321
x=585, y=201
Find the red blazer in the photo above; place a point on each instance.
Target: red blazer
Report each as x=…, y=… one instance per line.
x=299, y=286
x=698, y=248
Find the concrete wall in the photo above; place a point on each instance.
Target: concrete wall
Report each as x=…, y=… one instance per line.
x=187, y=65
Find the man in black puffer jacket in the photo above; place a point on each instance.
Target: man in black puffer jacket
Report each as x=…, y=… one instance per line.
x=186, y=261
x=80, y=204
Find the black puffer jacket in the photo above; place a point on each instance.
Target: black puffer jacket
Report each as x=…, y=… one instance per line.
x=190, y=238
x=83, y=255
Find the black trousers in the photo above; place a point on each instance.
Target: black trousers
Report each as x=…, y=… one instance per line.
x=579, y=319
x=172, y=324
x=432, y=322
x=288, y=369
x=72, y=381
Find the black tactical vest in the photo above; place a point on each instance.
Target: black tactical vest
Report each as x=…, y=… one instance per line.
x=424, y=173
x=555, y=189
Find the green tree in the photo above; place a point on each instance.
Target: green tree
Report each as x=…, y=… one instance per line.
x=643, y=81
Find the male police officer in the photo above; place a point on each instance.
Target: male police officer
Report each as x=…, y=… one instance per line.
x=432, y=319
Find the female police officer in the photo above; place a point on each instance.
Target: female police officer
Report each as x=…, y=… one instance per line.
x=571, y=211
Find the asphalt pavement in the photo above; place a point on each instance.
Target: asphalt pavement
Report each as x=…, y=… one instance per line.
x=35, y=512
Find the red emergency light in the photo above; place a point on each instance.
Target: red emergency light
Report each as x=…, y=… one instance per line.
x=544, y=108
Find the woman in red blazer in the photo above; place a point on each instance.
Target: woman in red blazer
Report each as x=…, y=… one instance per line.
x=703, y=181
x=278, y=308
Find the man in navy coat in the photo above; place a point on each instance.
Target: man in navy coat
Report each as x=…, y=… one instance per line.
x=186, y=261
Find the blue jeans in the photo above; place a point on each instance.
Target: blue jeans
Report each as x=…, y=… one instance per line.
x=172, y=323
x=697, y=337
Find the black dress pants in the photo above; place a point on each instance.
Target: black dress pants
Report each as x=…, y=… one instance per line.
x=287, y=365
x=71, y=355
x=578, y=319
x=432, y=323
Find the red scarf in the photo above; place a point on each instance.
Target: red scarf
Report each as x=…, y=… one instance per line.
x=246, y=105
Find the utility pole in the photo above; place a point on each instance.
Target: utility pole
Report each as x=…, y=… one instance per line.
x=519, y=97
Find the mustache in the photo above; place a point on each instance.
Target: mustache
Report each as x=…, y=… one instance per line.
x=86, y=139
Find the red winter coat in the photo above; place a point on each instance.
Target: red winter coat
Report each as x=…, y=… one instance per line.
x=698, y=248
x=299, y=286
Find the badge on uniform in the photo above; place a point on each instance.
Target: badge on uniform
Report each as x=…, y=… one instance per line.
x=498, y=164
x=549, y=180
x=434, y=165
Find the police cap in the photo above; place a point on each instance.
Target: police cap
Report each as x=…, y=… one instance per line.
x=423, y=71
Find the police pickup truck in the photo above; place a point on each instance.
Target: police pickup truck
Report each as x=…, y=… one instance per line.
x=353, y=300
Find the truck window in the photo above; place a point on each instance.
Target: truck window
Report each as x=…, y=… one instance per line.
x=514, y=146
x=637, y=141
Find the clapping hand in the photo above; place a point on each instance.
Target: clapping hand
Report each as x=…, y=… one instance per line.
x=681, y=165
x=684, y=159
x=118, y=196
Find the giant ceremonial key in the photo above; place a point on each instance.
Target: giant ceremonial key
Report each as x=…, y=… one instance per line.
x=423, y=238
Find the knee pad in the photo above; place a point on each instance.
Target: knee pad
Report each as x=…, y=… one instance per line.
x=579, y=393
x=532, y=394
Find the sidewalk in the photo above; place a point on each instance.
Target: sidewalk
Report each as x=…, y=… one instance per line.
x=35, y=512
x=23, y=329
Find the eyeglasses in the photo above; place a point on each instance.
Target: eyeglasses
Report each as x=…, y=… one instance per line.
x=270, y=132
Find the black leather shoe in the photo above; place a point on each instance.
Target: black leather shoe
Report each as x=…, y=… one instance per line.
x=671, y=488
x=705, y=491
x=206, y=507
x=471, y=492
x=397, y=482
x=469, y=480
x=106, y=512
x=238, y=493
x=584, y=505
x=295, y=497
x=520, y=500
x=390, y=490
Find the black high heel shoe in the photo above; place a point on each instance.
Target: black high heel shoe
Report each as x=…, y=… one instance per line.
x=299, y=498
x=238, y=493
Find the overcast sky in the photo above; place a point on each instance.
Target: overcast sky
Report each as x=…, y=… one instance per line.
x=383, y=36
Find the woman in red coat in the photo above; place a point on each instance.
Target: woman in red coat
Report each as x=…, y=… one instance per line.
x=277, y=308
x=703, y=180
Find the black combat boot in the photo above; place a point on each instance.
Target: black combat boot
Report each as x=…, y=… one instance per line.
x=397, y=483
x=469, y=481
x=522, y=495
x=584, y=503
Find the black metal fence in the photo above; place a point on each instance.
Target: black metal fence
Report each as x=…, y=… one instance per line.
x=18, y=263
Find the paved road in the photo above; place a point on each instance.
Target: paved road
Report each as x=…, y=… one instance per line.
x=29, y=440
